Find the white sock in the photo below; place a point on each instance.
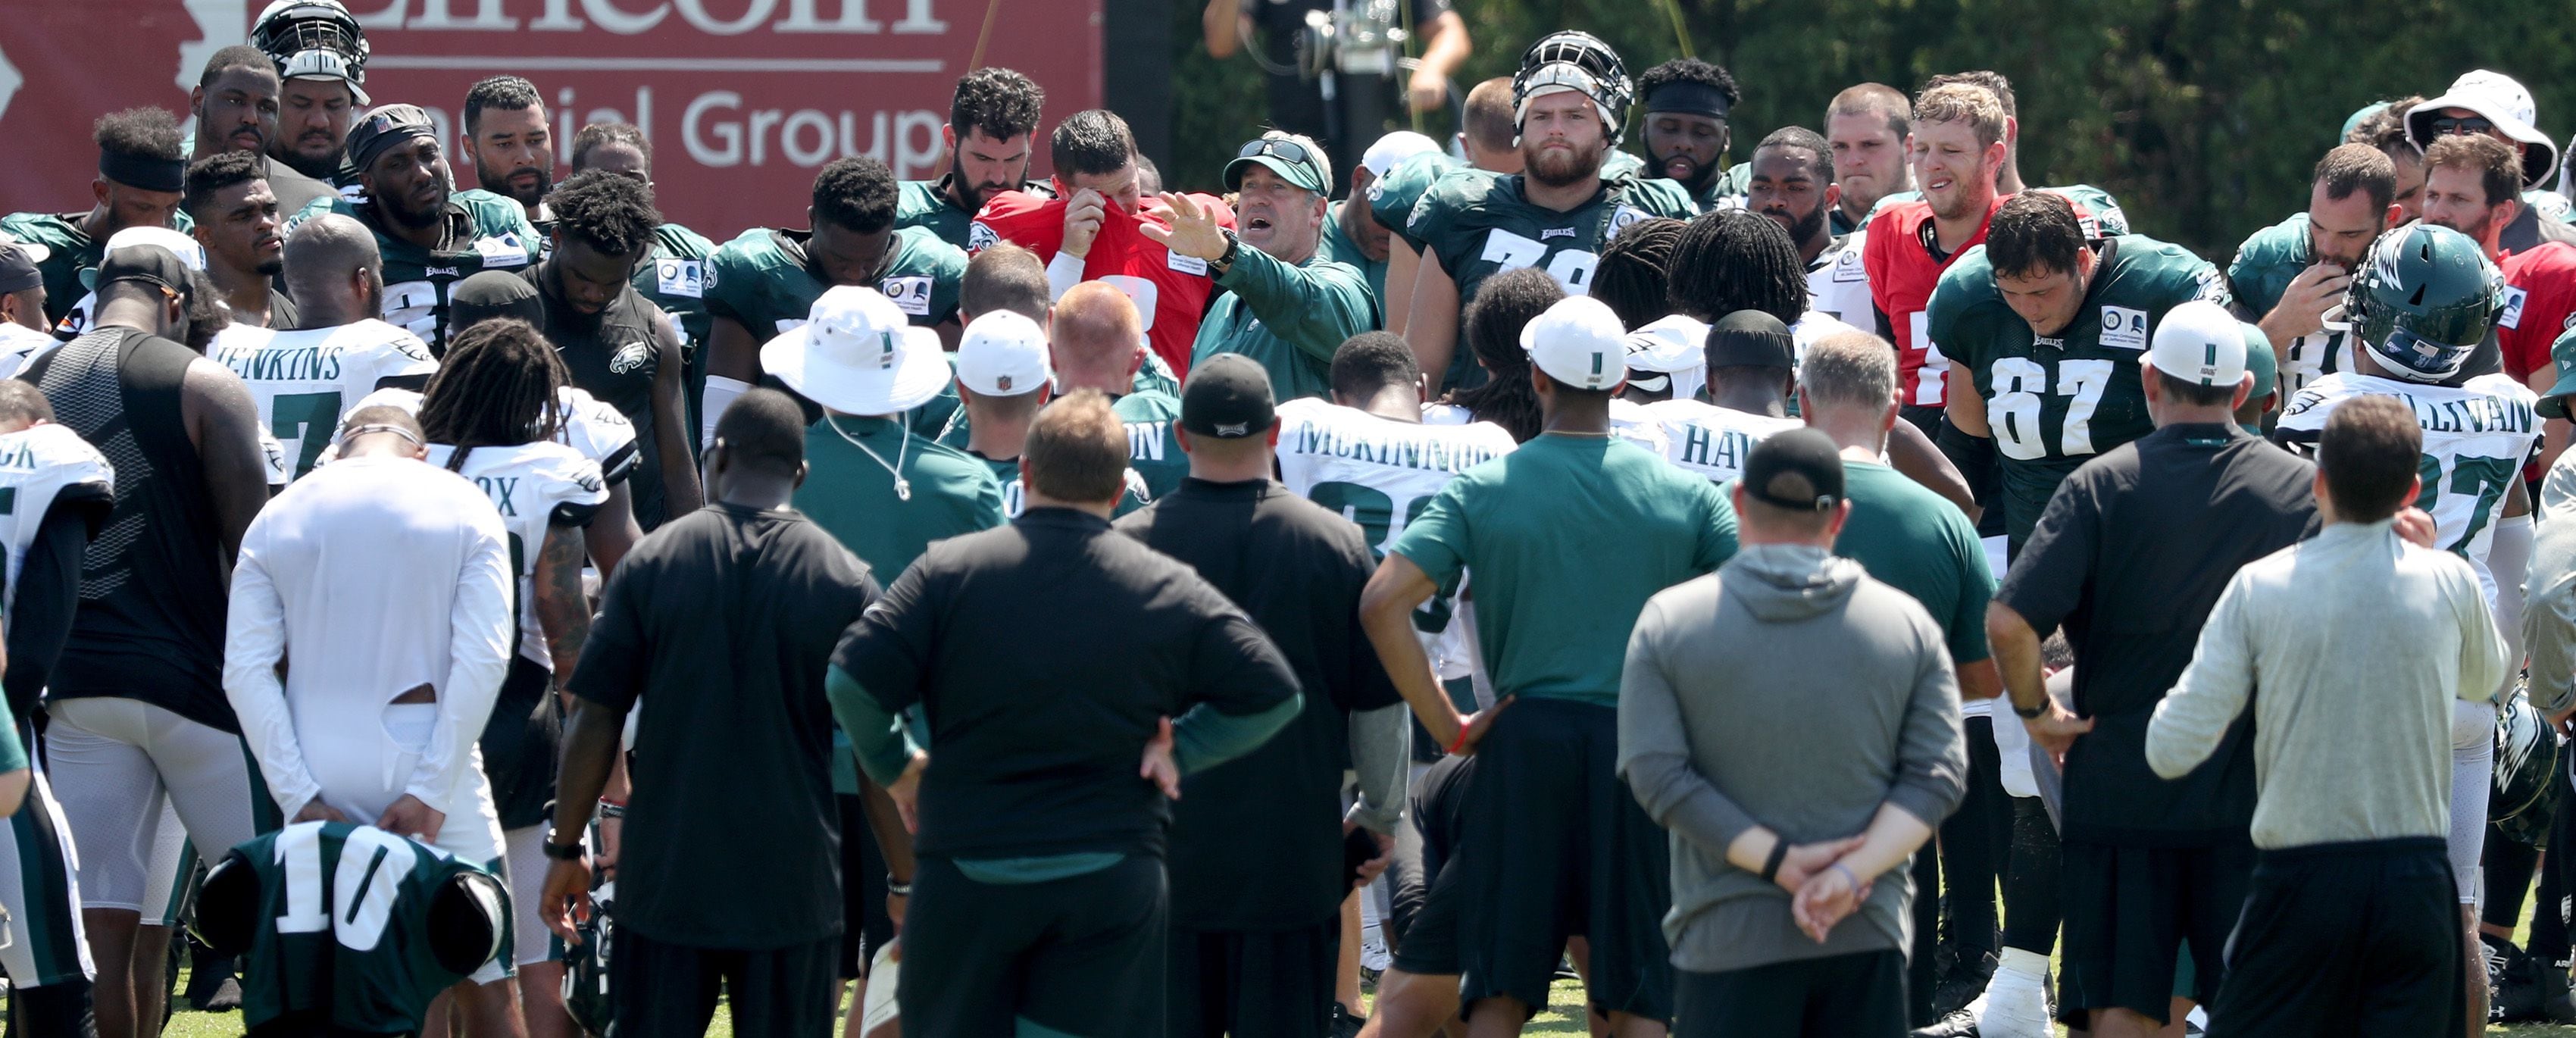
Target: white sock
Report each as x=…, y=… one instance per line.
x=2029, y=964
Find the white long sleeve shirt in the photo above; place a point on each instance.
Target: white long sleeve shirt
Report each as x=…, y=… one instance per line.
x=371, y=577
x=2361, y=641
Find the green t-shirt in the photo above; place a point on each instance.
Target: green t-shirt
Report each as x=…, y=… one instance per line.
x=1476, y=227
x=359, y=954
x=1338, y=247
x=2262, y=270
x=851, y=495
x=2055, y=403
x=760, y=279
x=491, y=233
x=1918, y=542
x=1290, y=318
x=1153, y=451
x=1566, y=539
x=1391, y=197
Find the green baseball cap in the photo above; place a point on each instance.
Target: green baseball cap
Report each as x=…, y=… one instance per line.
x=2553, y=404
x=1296, y=160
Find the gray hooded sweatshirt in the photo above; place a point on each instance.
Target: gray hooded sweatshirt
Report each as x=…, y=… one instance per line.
x=1791, y=691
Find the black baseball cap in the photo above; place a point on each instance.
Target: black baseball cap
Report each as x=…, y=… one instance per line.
x=490, y=294
x=147, y=263
x=18, y=271
x=1751, y=339
x=1228, y=397
x=1799, y=470
x=380, y=129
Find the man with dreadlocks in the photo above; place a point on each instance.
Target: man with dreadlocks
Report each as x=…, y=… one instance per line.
x=491, y=416
x=618, y=346
x=1509, y=302
x=305, y=381
x=359, y=695
x=1567, y=100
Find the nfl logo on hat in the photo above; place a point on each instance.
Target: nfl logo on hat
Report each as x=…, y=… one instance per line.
x=1002, y=382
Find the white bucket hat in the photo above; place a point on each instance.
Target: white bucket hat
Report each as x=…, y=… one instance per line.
x=856, y=353
x=2504, y=102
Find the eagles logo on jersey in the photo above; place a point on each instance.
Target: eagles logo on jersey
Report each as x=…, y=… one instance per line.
x=494, y=234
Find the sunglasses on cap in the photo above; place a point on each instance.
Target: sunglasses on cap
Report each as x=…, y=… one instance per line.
x=2448, y=125
x=1278, y=146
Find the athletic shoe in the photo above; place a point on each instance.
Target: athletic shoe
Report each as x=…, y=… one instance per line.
x=2016, y=1007
x=1373, y=954
x=2514, y=992
x=1961, y=977
x=1344, y=1024
x=227, y=997
x=2551, y=978
x=1957, y=1023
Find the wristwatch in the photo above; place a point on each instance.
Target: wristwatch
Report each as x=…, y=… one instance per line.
x=1224, y=261
x=563, y=851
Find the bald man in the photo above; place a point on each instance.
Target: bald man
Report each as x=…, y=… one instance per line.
x=1099, y=343
x=305, y=381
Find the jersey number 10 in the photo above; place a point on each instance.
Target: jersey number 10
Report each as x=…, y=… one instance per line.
x=373, y=863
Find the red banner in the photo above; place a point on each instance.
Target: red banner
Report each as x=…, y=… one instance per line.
x=743, y=99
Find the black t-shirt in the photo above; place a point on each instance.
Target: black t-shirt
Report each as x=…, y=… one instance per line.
x=718, y=628
x=2130, y=556
x=1044, y=655
x=614, y=355
x=1257, y=844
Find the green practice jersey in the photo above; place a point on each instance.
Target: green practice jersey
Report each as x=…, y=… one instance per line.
x=761, y=279
x=344, y=920
x=1153, y=451
x=674, y=276
x=2053, y=402
x=1477, y=227
x=925, y=204
x=490, y=232
x=2262, y=271
x=1339, y=247
x=1391, y=197
x=72, y=251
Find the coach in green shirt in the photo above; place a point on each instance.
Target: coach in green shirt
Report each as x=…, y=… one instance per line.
x=1567, y=536
x=1287, y=305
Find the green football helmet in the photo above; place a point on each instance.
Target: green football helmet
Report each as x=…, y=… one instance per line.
x=2422, y=300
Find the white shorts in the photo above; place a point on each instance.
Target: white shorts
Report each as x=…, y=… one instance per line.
x=362, y=776
x=165, y=878
x=527, y=881
x=43, y=942
x=114, y=760
x=2472, y=782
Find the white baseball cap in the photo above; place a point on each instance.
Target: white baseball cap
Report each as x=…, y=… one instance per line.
x=2504, y=102
x=856, y=353
x=1578, y=342
x=2201, y=343
x=1674, y=346
x=182, y=245
x=1394, y=148
x=1003, y=353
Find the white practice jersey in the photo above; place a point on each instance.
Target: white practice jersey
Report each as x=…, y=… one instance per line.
x=1381, y=473
x=2476, y=437
x=1837, y=284
x=1704, y=438
x=533, y=486
x=304, y=382
x=1630, y=421
x=592, y=428
x=40, y=466
x=20, y=344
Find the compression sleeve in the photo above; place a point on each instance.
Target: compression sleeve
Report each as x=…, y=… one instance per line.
x=2508, y=564
x=1063, y=272
x=1973, y=456
x=40, y=613
x=1382, y=754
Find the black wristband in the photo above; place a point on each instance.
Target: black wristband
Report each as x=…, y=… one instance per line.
x=562, y=851
x=1233, y=249
x=2030, y=713
x=1779, y=853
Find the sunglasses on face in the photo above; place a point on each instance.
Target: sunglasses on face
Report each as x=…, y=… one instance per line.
x=2447, y=125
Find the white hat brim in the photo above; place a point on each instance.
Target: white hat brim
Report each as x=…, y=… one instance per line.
x=919, y=373
x=2539, y=155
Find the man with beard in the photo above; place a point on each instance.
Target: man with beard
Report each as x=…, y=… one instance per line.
x=1490, y=144
x=674, y=274
x=236, y=215
x=235, y=103
x=507, y=140
x=1567, y=99
x=141, y=171
x=1288, y=305
x=2493, y=105
x=991, y=132
x=2384, y=128
x=304, y=382
x=765, y=281
x=1867, y=126
x=321, y=58
x=2288, y=275
x=618, y=346
x=1352, y=233
x=1957, y=146
x=1792, y=183
x=1686, y=101
x=2470, y=186
x=431, y=238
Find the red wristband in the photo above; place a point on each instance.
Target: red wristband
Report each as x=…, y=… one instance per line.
x=1460, y=743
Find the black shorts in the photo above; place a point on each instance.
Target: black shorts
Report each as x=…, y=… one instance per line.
x=1429, y=945
x=865, y=924
x=1083, y=955
x=1555, y=846
x=2358, y=939
x=1841, y=996
x=670, y=989
x=2130, y=909
x=1253, y=984
x=1422, y=844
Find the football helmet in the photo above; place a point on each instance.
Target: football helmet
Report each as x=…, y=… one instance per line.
x=2422, y=300
x=314, y=39
x=1578, y=61
x=2527, y=780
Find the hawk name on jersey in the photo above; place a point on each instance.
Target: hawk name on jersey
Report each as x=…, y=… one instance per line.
x=304, y=382
x=494, y=233
x=2053, y=402
x=2476, y=436
x=1706, y=439
x=345, y=913
x=41, y=466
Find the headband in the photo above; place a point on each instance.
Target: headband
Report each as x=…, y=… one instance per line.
x=150, y=174
x=370, y=430
x=1690, y=98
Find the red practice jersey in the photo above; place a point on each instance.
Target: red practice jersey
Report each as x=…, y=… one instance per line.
x=1171, y=292
x=1901, y=275
x=2539, y=297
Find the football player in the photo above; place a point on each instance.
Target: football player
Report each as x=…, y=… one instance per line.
x=1866, y=126
x=429, y=237
x=321, y=55
x=765, y=281
x=2469, y=187
x=991, y=130
x=1490, y=144
x=2289, y=275
x=1568, y=101
x=142, y=170
x=674, y=274
x=304, y=382
x=1956, y=150
x=507, y=141
x=1686, y=102
x=236, y=214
